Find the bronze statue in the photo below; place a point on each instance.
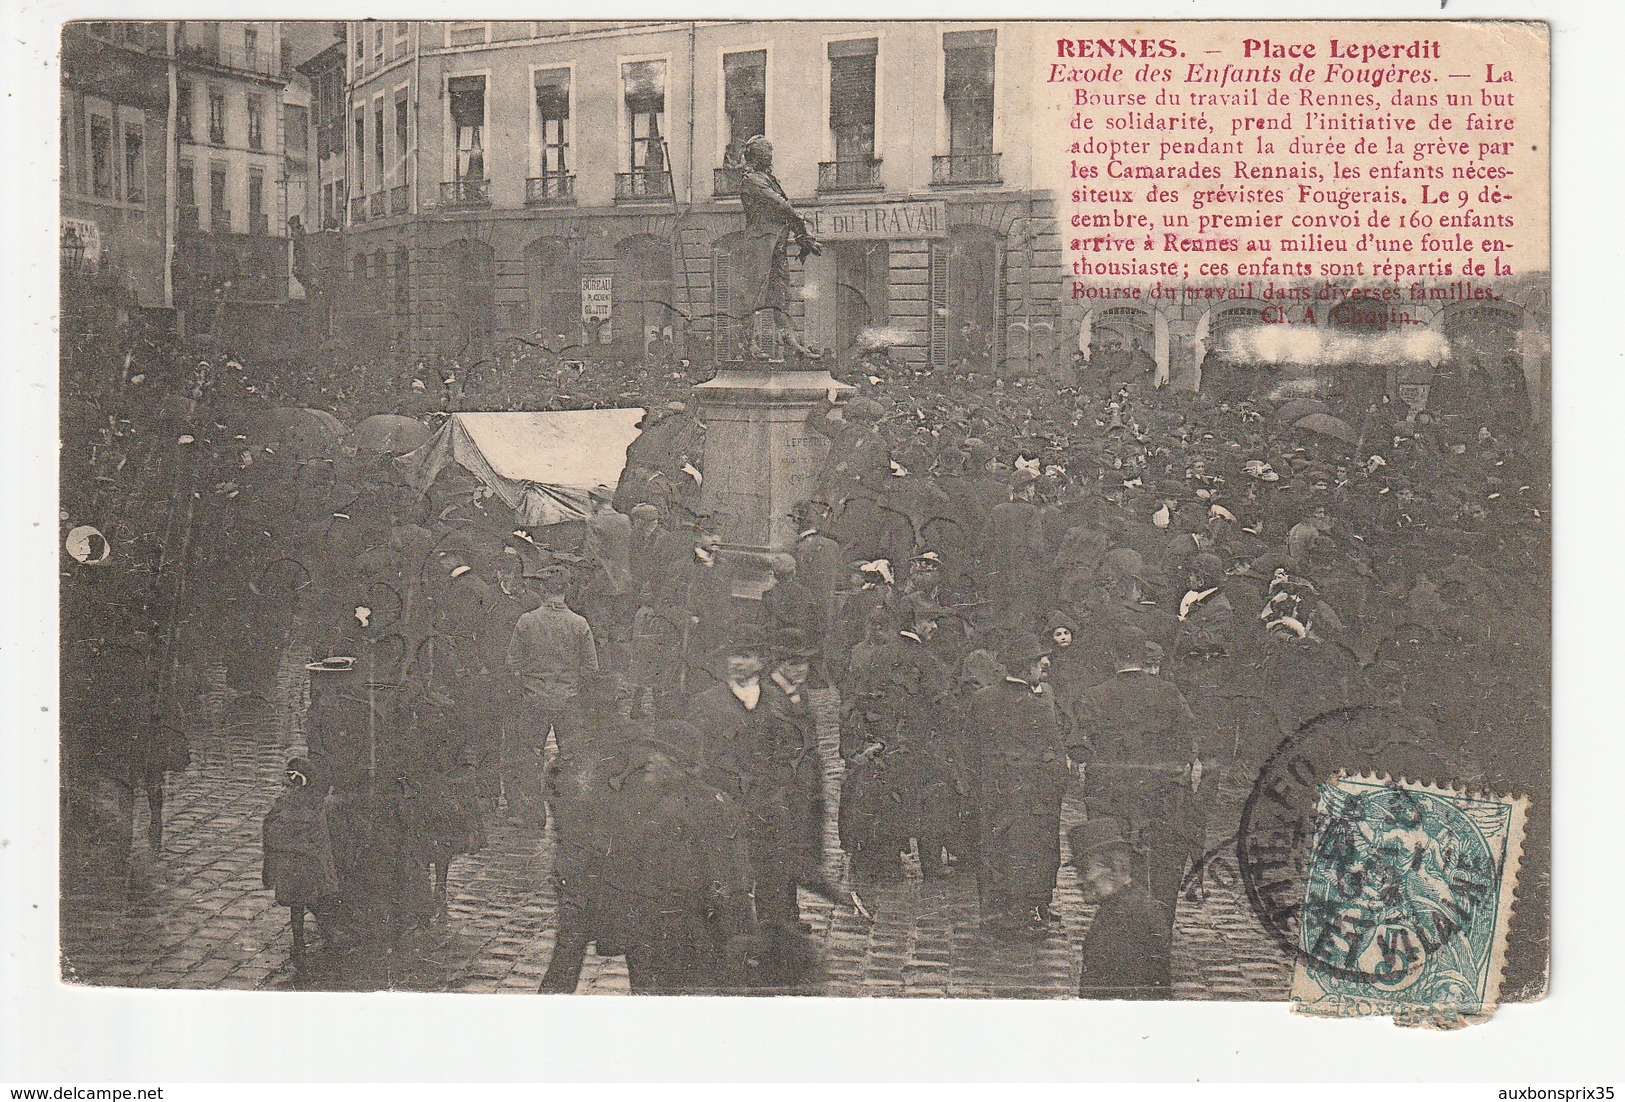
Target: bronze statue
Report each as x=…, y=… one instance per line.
x=763, y=264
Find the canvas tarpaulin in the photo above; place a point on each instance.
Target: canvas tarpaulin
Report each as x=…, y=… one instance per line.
x=541, y=464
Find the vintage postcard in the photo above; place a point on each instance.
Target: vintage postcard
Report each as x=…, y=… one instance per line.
x=850, y=508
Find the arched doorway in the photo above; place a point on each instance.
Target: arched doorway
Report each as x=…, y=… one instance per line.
x=967, y=299
x=553, y=277
x=1222, y=372
x=643, y=294
x=1482, y=378
x=469, y=274
x=1122, y=345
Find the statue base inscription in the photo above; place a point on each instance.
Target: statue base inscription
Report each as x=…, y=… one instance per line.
x=760, y=460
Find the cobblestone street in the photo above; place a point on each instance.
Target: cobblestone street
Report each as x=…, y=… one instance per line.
x=197, y=916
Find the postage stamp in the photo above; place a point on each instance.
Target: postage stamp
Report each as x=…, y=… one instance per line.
x=1410, y=896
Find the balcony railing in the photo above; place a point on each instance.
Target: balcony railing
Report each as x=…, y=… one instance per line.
x=400, y=199
x=220, y=221
x=261, y=62
x=854, y=175
x=725, y=182
x=643, y=183
x=378, y=205
x=358, y=210
x=259, y=223
x=187, y=218
x=556, y=189
x=959, y=169
x=217, y=134
x=466, y=193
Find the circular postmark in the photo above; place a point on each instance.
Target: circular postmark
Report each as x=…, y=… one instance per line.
x=1396, y=886
x=1278, y=833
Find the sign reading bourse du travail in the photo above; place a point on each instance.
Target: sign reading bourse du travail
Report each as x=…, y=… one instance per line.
x=891, y=221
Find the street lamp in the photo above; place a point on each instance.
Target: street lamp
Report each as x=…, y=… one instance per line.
x=73, y=250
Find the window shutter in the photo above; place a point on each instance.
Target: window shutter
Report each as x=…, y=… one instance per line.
x=852, y=91
x=723, y=325
x=553, y=93
x=938, y=321
x=467, y=96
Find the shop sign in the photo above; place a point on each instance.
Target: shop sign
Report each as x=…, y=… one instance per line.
x=597, y=306
x=885, y=221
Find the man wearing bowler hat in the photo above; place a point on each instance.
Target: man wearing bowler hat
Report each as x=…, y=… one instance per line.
x=1138, y=737
x=1021, y=776
x=667, y=870
x=729, y=714
x=785, y=801
x=1127, y=948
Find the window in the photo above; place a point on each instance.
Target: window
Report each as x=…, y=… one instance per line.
x=329, y=216
x=185, y=185
x=466, y=33
x=80, y=157
x=402, y=132
x=862, y=288
x=356, y=36
x=219, y=216
x=467, y=95
x=251, y=44
x=378, y=42
x=553, y=121
x=256, y=122
x=101, y=157
x=852, y=98
x=400, y=38
x=256, y=200
x=135, y=164
x=403, y=261
x=297, y=127
x=378, y=145
x=183, y=110
x=744, y=79
x=66, y=150
x=644, y=83
x=361, y=150
x=217, y=116
x=968, y=91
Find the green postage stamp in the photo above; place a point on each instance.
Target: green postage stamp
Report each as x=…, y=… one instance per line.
x=1410, y=894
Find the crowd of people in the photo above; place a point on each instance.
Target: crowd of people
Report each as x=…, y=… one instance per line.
x=1004, y=588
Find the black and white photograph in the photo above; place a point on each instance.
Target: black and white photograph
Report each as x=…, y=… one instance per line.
x=759, y=507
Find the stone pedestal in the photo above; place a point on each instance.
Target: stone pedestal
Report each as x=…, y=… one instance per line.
x=760, y=460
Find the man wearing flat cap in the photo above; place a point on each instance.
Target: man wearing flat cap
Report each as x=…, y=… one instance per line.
x=1021, y=777
x=552, y=647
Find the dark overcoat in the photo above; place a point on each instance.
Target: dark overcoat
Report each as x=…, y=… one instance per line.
x=1020, y=779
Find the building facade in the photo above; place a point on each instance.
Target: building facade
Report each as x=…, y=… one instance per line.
x=231, y=196
x=573, y=185
x=115, y=134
